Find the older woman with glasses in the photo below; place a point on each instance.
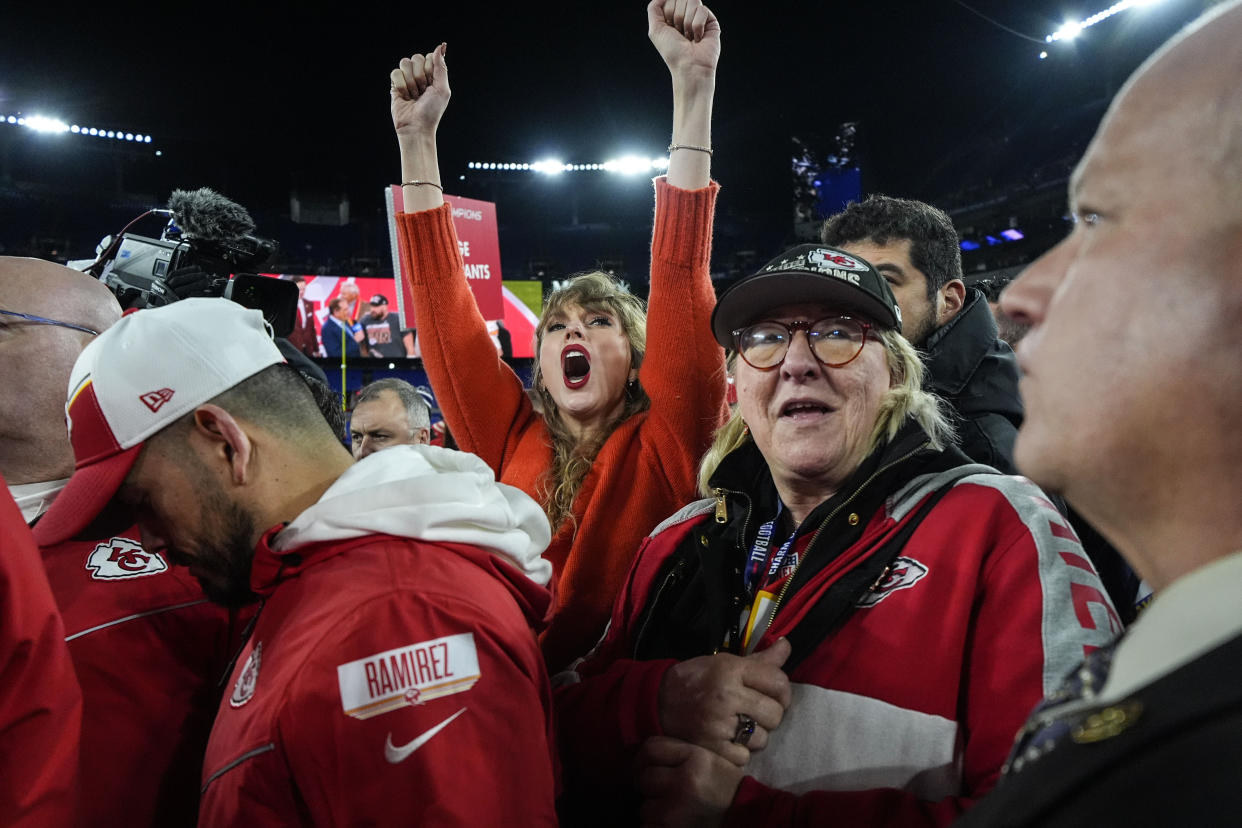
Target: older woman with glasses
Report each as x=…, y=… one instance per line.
x=856, y=620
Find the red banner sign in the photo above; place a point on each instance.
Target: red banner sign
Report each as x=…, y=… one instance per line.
x=475, y=222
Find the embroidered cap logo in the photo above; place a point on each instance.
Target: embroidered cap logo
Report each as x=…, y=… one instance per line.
x=155, y=399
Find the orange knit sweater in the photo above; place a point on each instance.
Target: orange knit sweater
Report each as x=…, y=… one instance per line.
x=646, y=468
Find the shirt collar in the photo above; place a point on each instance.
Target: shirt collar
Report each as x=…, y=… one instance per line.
x=36, y=498
x=1196, y=613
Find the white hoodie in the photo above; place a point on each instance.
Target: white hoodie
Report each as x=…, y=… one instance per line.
x=433, y=494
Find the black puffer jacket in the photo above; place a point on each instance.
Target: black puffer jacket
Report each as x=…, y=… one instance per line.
x=977, y=374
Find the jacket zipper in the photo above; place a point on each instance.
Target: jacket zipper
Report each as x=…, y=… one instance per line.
x=811, y=545
x=668, y=578
x=722, y=514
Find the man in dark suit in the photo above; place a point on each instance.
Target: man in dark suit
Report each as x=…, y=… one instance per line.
x=303, y=335
x=1133, y=388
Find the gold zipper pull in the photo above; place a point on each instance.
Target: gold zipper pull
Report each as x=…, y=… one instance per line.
x=722, y=513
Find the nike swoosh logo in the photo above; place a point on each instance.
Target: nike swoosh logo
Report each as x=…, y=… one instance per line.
x=394, y=755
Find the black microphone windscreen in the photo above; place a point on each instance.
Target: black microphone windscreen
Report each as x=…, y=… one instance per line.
x=205, y=214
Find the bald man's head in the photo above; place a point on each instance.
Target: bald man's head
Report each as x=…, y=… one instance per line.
x=35, y=361
x=1183, y=108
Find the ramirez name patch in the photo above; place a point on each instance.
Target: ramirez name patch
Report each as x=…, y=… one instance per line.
x=408, y=675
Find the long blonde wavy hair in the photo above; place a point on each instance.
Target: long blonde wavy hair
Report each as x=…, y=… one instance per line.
x=572, y=458
x=904, y=398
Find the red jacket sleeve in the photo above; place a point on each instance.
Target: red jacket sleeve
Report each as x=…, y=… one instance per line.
x=484, y=402
x=607, y=703
x=40, y=703
x=474, y=752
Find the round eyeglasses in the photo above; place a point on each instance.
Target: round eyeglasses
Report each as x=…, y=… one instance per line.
x=835, y=341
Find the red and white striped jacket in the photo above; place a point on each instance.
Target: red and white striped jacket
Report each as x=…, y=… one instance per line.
x=905, y=714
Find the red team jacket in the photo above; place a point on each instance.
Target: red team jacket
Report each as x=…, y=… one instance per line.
x=151, y=654
x=387, y=682
x=906, y=713
x=390, y=680
x=40, y=703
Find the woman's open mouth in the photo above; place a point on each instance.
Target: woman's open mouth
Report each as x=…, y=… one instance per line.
x=575, y=366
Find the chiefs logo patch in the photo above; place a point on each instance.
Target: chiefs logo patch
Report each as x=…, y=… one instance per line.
x=903, y=574
x=123, y=558
x=243, y=689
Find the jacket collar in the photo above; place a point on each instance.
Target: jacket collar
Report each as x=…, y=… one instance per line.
x=744, y=472
x=270, y=567
x=955, y=350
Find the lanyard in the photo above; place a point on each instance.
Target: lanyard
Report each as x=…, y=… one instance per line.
x=759, y=553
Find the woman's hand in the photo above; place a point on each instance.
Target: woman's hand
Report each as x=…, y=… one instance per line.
x=684, y=785
x=686, y=35
x=420, y=93
x=701, y=699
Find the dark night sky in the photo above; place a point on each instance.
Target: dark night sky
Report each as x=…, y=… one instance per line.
x=254, y=101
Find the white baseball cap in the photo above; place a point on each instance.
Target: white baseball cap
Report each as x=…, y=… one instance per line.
x=138, y=377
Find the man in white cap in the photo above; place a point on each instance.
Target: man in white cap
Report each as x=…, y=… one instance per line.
x=1133, y=388
x=148, y=649
x=394, y=643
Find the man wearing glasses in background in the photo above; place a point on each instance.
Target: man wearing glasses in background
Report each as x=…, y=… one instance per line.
x=148, y=648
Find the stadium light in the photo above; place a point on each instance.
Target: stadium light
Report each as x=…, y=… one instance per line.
x=550, y=166
x=626, y=165
x=1071, y=29
x=41, y=124
x=55, y=126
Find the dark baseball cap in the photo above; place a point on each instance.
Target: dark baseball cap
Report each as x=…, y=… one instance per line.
x=806, y=273
x=379, y=299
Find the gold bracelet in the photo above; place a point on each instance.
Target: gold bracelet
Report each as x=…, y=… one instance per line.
x=422, y=183
x=672, y=147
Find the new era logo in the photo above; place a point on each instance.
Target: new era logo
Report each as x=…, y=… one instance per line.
x=154, y=399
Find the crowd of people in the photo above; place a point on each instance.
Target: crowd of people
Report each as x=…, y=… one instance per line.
x=906, y=580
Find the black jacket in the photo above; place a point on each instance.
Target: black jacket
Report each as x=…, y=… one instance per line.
x=1175, y=762
x=977, y=374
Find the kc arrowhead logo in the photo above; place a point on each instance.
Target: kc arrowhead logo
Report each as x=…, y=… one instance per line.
x=155, y=399
x=248, y=680
x=123, y=558
x=903, y=574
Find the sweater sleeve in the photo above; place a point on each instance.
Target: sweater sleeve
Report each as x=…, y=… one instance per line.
x=483, y=400
x=683, y=369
